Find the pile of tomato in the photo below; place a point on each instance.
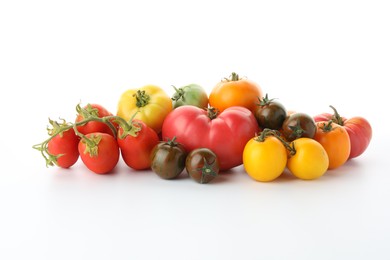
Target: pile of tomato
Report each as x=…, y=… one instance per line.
x=206, y=134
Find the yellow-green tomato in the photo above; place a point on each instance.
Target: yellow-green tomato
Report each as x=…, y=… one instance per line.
x=264, y=160
x=310, y=160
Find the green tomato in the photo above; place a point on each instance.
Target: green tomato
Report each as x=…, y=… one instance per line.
x=193, y=95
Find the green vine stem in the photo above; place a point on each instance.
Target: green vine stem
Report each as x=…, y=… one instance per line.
x=269, y=132
x=58, y=128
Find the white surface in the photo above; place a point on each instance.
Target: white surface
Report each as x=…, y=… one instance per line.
x=309, y=54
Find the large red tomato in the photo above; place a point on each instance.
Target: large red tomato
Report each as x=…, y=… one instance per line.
x=226, y=133
x=358, y=128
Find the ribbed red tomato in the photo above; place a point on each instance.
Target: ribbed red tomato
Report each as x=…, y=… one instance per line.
x=226, y=133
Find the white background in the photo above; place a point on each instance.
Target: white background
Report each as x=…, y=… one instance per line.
x=309, y=54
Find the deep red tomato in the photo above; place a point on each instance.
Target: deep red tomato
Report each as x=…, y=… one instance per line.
x=225, y=134
x=136, y=146
x=65, y=146
x=358, y=128
x=95, y=110
x=100, y=153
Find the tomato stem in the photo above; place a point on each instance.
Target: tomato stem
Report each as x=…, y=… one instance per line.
x=212, y=112
x=233, y=77
x=179, y=94
x=336, y=116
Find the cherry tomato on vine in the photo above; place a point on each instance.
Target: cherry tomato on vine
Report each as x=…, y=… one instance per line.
x=298, y=125
x=65, y=147
x=93, y=126
x=150, y=102
x=358, y=128
x=264, y=157
x=168, y=159
x=136, y=144
x=224, y=133
x=308, y=159
x=99, y=152
x=235, y=91
x=270, y=113
x=335, y=139
x=193, y=95
x=202, y=165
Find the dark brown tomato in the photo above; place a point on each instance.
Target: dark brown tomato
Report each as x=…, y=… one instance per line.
x=202, y=165
x=168, y=159
x=270, y=113
x=298, y=125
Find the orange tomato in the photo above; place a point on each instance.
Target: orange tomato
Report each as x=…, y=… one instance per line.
x=235, y=91
x=335, y=139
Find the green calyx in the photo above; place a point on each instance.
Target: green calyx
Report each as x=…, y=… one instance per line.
x=327, y=127
x=179, y=94
x=92, y=144
x=129, y=128
x=87, y=112
x=265, y=101
x=206, y=170
x=297, y=130
x=142, y=99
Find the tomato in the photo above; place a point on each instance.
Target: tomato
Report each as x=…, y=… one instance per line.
x=202, y=165
x=150, y=102
x=308, y=159
x=94, y=110
x=99, y=152
x=264, y=157
x=235, y=91
x=224, y=133
x=136, y=144
x=335, y=139
x=65, y=147
x=358, y=128
x=270, y=113
x=298, y=125
x=168, y=159
x=192, y=94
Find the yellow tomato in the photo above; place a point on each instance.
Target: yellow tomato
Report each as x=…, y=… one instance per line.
x=310, y=160
x=264, y=160
x=150, y=102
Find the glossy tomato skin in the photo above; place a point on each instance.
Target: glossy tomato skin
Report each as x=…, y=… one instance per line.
x=235, y=91
x=136, y=150
x=298, y=125
x=270, y=113
x=335, y=140
x=264, y=160
x=202, y=165
x=94, y=126
x=168, y=159
x=226, y=134
x=358, y=128
x=192, y=94
x=150, y=103
x=65, y=144
x=107, y=153
x=310, y=160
